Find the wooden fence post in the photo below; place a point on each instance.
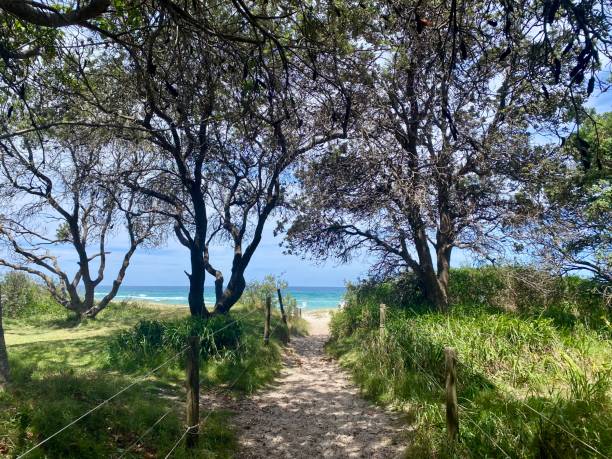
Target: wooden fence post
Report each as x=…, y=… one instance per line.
x=383, y=317
x=283, y=314
x=193, y=390
x=4, y=363
x=452, y=408
x=267, y=320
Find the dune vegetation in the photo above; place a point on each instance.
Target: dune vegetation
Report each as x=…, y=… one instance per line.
x=397, y=134
x=534, y=353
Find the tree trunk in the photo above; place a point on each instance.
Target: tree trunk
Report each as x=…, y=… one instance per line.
x=104, y=302
x=89, y=302
x=232, y=293
x=434, y=290
x=4, y=363
x=434, y=285
x=196, y=284
x=444, y=257
x=81, y=306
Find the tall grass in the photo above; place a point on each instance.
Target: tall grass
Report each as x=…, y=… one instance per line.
x=41, y=407
x=514, y=362
x=231, y=347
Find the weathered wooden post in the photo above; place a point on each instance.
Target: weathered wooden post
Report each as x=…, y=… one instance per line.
x=267, y=320
x=193, y=390
x=4, y=364
x=283, y=314
x=452, y=408
x=383, y=317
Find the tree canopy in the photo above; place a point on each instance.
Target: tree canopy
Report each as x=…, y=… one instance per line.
x=397, y=126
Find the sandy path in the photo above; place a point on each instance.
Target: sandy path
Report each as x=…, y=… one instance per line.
x=313, y=410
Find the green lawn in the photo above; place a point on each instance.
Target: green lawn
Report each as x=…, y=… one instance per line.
x=61, y=369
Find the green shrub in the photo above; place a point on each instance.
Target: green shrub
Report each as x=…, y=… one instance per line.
x=22, y=297
x=567, y=301
x=255, y=294
x=148, y=339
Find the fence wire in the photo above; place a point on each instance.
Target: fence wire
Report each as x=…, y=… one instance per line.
x=218, y=391
x=121, y=391
x=464, y=413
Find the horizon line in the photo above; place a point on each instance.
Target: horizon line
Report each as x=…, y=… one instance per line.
x=212, y=286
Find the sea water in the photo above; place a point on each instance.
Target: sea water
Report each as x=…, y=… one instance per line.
x=307, y=297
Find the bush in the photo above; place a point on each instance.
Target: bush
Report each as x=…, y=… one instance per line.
x=568, y=301
x=255, y=294
x=150, y=338
x=22, y=297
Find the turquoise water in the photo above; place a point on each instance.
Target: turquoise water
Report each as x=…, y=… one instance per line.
x=307, y=297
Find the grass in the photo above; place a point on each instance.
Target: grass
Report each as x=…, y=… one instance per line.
x=62, y=326
x=62, y=368
x=512, y=364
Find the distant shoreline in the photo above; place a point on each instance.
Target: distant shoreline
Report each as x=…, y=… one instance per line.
x=308, y=298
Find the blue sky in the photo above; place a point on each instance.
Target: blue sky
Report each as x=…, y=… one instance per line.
x=165, y=265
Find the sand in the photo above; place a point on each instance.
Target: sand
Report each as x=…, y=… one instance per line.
x=313, y=410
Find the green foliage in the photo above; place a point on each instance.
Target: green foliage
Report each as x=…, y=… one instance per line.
x=232, y=349
x=22, y=297
x=568, y=203
x=256, y=293
x=150, y=338
x=514, y=358
x=568, y=301
x=42, y=406
x=60, y=372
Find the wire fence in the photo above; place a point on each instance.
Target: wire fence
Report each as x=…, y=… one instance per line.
x=146, y=432
x=385, y=337
x=442, y=389
x=220, y=390
x=129, y=386
x=100, y=405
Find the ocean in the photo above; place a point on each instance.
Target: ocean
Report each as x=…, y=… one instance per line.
x=307, y=297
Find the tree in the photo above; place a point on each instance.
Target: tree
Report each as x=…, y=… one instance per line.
x=221, y=111
x=565, y=210
x=250, y=180
x=62, y=192
x=438, y=149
